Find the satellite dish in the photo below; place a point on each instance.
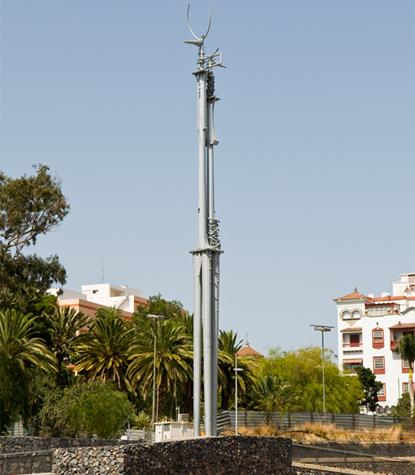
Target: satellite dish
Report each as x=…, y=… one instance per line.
x=385, y=294
x=371, y=296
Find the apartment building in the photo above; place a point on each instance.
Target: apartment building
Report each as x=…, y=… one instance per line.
x=369, y=331
x=104, y=295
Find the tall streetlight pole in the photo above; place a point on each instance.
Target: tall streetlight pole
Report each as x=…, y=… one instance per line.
x=236, y=369
x=322, y=329
x=156, y=318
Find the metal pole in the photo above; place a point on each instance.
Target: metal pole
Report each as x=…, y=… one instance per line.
x=324, y=386
x=236, y=394
x=153, y=418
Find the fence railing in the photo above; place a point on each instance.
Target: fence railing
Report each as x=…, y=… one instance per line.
x=307, y=454
x=293, y=419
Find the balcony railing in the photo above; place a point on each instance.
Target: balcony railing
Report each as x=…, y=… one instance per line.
x=352, y=345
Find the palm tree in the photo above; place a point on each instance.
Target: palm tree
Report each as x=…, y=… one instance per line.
x=63, y=326
x=17, y=341
x=173, y=356
x=103, y=351
x=406, y=347
x=228, y=349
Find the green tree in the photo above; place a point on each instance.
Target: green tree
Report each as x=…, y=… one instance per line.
x=29, y=207
x=19, y=350
x=406, y=347
x=301, y=370
x=63, y=326
x=103, y=351
x=100, y=409
x=270, y=395
x=173, y=356
x=370, y=386
x=228, y=347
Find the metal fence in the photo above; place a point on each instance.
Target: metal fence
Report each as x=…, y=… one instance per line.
x=134, y=434
x=293, y=419
x=306, y=455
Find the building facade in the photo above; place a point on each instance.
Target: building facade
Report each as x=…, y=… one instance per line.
x=369, y=331
x=96, y=296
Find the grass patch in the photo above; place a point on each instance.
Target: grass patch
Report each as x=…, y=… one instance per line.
x=317, y=432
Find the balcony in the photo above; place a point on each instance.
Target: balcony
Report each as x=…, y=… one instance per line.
x=352, y=347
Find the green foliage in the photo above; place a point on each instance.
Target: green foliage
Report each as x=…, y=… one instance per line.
x=99, y=409
x=141, y=421
x=406, y=347
x=29, y=206
x=159, y=306
x=62, y=327
x=300, y=385
x=17, y=341
x=14, y=393
x=228, y=347
x=371, y=387
x=173, y=355
x=403, y=407
x=103, y=351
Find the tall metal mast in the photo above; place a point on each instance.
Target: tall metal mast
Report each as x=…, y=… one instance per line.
x=208, y=249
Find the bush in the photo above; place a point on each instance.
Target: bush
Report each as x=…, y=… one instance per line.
x=98, y=410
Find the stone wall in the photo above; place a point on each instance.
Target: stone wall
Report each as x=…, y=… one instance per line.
x=242, y=455
x=20, y=455
x=30, y=444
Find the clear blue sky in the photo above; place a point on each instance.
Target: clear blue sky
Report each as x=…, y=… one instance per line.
x=314, y=170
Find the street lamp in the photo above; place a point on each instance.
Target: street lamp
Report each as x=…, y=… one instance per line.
x=322, y=329
x=156, y=318
x=236, y=369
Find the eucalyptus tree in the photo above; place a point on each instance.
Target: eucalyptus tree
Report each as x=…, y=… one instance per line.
x=103, y=351
x=228, y=348
x=63, y=327
x=406, y=347
x=29, y=207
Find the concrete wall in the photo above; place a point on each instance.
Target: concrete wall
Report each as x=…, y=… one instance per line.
x=241, y=455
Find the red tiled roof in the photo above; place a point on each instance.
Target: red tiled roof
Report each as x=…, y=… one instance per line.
x=402, y=325
x=351, y=329
x=353, y=296
x=248, y=351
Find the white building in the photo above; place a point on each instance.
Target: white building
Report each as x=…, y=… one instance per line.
x=369, y=331
x=95, y=296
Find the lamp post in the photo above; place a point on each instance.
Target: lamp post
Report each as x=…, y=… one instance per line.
x=236, y=369
x=156, y=318
x=322, y=329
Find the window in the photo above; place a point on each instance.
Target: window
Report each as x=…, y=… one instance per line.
x=405, y=387
x=95, y=291
x=382, y=393
x=405, y=366
x=355, y=339
x=346, y=314
x=356, y=314
x=377, y=338
x=379, y=365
